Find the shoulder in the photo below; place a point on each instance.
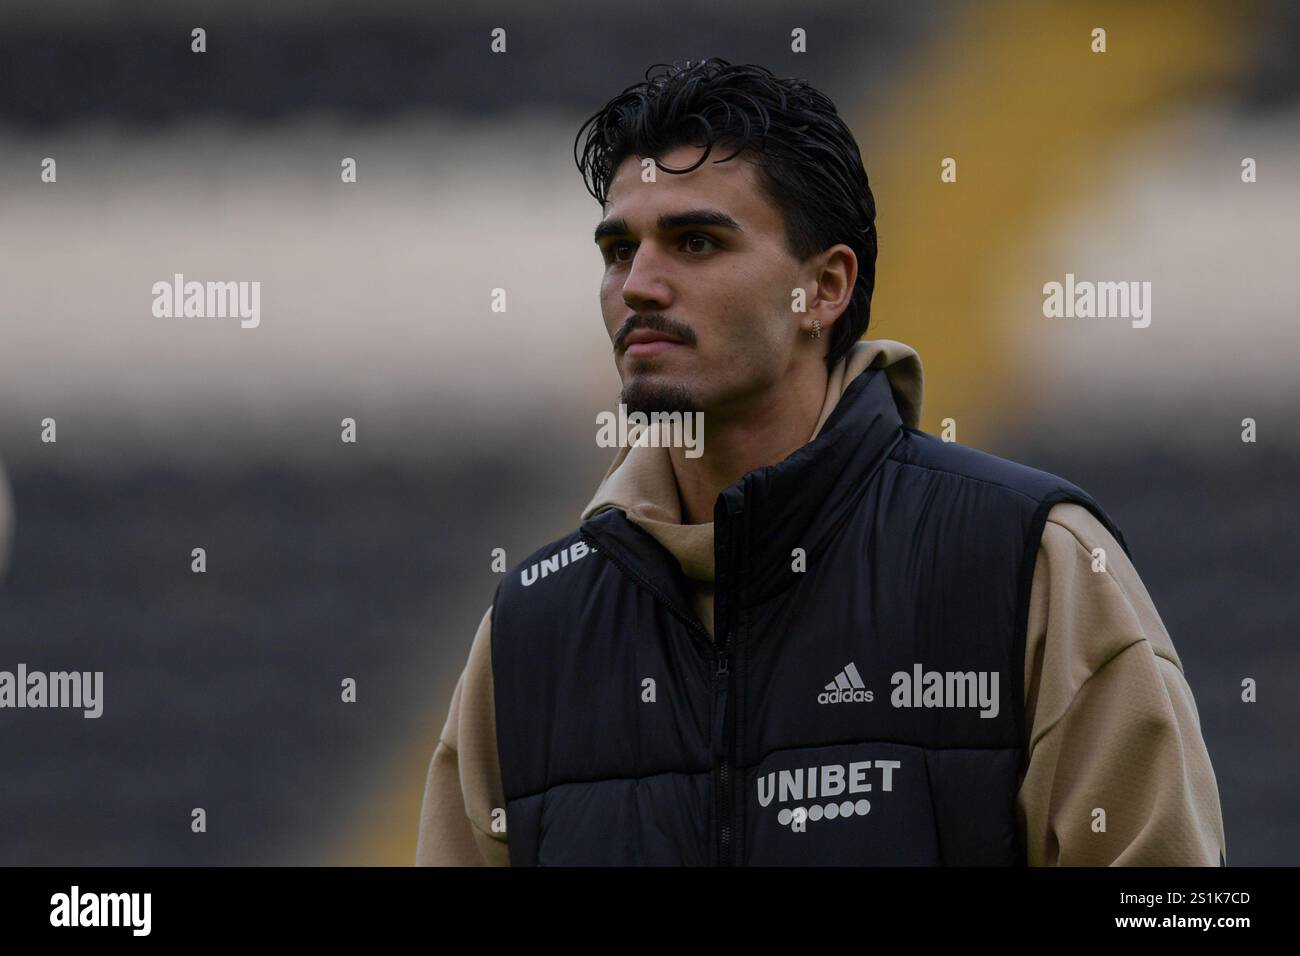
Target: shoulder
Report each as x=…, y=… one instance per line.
x=1080, y=556
x=920, y=450
x=546, y=579
x=1070, y=522
x=549, y=560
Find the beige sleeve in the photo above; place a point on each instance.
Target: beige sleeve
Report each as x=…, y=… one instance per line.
x=1112, y=723
x=464, y=783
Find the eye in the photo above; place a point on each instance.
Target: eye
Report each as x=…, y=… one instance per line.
x=613, y=255
x=699, y=235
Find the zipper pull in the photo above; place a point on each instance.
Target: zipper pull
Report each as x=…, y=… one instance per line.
x=720, y=707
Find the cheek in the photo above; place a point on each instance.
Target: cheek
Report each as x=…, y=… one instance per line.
x=758, y=326
x=610, y=303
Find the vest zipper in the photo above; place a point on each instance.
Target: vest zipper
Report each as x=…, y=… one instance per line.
x=721, y=746
x=722, y=751
x=725, y=745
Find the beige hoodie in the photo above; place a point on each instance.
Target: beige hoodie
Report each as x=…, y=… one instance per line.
x=1112, y=723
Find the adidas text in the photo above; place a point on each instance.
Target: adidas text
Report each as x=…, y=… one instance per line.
x=846, y=688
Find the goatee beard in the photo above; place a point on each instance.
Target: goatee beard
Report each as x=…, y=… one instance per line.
x=648, y=398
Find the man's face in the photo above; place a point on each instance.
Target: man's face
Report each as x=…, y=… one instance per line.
x=696, y=292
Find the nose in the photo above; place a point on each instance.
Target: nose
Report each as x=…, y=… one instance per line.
x=646, y=288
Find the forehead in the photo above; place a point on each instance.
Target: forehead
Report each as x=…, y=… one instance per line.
x=731, y=187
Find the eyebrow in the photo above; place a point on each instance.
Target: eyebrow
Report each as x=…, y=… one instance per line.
x=670, y=221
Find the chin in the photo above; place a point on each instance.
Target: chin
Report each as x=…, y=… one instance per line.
x=641, y=394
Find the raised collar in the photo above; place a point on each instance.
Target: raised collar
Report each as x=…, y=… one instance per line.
x=799, y=502
x=641, y=482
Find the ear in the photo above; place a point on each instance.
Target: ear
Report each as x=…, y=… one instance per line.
x=834, y=273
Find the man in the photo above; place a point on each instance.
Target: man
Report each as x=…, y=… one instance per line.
x=830, y=638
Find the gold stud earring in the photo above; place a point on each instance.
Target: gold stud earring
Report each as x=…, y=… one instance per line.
x=816, y=332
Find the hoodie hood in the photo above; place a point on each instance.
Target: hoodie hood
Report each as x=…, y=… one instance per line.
x=640, y=481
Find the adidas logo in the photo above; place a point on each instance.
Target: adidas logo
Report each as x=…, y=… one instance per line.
x=846, y=688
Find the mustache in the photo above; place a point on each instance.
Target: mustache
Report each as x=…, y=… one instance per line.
x=654, y=322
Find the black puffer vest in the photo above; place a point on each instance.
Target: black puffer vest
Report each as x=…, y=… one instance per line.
x=862, y=704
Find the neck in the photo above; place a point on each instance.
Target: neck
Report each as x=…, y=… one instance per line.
x=763, y=431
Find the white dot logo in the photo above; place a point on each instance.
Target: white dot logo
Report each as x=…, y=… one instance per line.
x=828, y=811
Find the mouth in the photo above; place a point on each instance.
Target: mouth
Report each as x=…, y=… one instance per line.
x=648, y=342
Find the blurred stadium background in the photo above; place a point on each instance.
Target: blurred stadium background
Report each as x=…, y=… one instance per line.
x=372, y=560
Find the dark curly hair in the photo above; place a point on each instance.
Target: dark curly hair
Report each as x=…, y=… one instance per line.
x=810, y=165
